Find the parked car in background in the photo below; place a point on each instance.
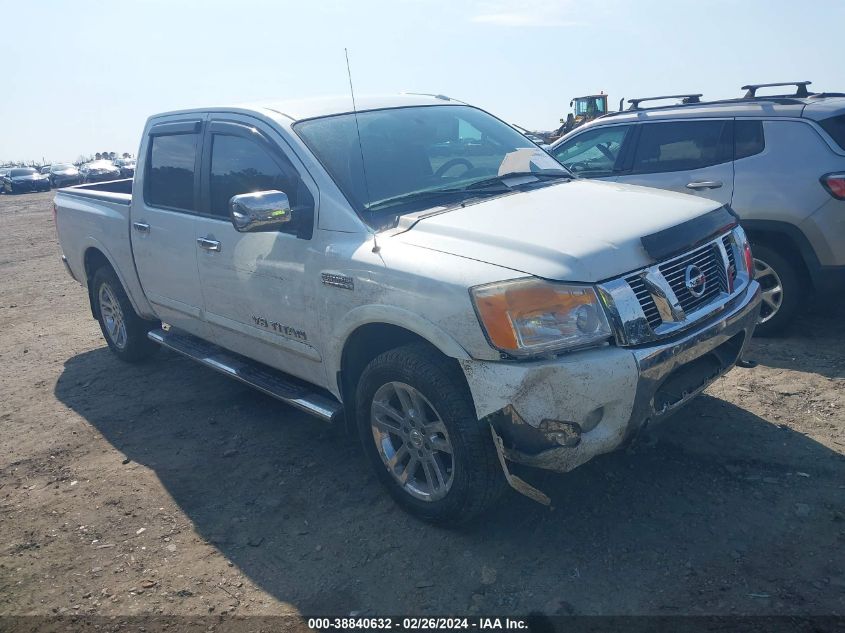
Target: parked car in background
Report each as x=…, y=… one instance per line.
x=21, y=179
x=126, y=167
x=532, y=136
x=98, y=171
x=778, y=161
x=457, y=312
x=64, y=175
x=45, y=169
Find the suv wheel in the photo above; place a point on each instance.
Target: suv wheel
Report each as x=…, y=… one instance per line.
x=782, y=291
x=419, y=430
x=124, y=331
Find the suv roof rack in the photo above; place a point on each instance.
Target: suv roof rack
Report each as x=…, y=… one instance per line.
x=685, y=99
x=800, y=89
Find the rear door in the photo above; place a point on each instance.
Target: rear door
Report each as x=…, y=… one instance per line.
x=687, y=156
x=597, y=152
x=163, y=224
x=260, y=288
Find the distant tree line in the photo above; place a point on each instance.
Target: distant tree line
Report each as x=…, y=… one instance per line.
x=81, y=159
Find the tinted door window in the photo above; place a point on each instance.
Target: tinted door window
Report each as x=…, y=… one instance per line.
x=170, y=174
x=682, y=146
x=595, y=152
x=239, y=165
x=748, y=138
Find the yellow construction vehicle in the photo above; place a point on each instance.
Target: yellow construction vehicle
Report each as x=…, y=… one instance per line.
x=584, y=109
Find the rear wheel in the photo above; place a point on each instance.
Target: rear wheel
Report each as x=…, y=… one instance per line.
x=783, y=293
x=419, y=430
x=124, y=331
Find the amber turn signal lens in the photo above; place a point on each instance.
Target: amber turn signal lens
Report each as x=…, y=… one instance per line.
x=527, y=316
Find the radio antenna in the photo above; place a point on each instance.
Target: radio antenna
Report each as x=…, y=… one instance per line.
x=357, y=130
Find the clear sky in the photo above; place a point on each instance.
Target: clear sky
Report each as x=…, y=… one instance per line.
x=81, y=76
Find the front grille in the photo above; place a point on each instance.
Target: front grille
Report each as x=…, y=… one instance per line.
x=651, y=287
x=708, y=259
x=646, y=300
x=726, y=242
x=654, y=302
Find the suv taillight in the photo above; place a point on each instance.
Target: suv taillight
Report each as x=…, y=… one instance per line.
x=835, y=184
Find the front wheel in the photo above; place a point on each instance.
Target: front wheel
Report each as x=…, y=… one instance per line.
x=418, y=426
x=124, y=331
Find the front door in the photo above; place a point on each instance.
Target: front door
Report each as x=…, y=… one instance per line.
x=693, y=157
x=259, y=288
x=163, y=225
x=597, y=152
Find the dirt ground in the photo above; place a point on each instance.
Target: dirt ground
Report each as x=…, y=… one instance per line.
x=166, y=488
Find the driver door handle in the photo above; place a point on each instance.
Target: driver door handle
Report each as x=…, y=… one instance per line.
x=141, y=227
x=705, y=184
x=208, y=245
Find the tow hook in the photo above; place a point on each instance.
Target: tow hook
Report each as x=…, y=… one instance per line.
x=518, y=484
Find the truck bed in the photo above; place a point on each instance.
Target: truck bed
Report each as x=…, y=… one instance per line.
x=93, y=221
x=116, y=190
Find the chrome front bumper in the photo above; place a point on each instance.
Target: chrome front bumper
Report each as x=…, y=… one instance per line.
x=717, y=346
x=603, y=397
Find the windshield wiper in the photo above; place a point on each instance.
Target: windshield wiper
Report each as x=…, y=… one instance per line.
x=480, y=184
x=437, y=193
x=490, y=186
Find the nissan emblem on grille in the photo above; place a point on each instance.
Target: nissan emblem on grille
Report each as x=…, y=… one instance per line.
x=695, y=280
x=670, y=295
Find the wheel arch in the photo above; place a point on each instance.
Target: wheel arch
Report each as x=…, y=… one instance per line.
x=94, y=258
x=366, y=340
x=789, y=240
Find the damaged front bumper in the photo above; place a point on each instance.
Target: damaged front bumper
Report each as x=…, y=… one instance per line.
x=559, y=413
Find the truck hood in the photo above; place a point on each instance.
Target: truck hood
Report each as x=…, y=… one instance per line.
x=582, y=230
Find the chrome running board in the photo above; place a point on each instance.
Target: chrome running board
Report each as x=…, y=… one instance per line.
x=274, y=383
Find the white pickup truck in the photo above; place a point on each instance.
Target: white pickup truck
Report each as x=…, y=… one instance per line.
x=420, y=271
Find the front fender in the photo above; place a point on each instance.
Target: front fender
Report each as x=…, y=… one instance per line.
x=389, y=315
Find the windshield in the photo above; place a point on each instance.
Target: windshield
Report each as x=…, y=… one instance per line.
x=592, y=106
x=22, y=172
x=408, y=152
x=61, y=167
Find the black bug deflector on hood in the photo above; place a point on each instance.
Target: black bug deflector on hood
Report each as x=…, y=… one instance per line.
x=687, y=235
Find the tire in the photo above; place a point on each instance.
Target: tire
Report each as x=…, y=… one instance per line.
x=124, y=331
x=772, y=270
x=471, y=476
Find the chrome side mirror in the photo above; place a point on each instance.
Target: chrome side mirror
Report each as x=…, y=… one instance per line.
x=259, y=211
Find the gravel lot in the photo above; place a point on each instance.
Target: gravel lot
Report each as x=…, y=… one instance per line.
x=167, y=488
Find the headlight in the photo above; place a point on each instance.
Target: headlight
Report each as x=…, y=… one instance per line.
x=529, y=316
x=743, y=260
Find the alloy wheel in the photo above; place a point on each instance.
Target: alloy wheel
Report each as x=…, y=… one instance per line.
x=412, y=441
x=112, y=316
x=772, y=289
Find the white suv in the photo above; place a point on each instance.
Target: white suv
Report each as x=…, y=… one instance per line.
x=778, y=161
